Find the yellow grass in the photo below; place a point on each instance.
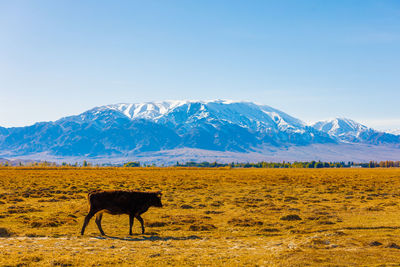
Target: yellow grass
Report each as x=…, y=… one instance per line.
x=210, y=217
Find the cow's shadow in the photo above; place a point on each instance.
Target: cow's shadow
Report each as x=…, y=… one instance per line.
x=149, y=237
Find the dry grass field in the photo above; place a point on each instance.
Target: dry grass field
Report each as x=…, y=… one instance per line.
x=231, y=217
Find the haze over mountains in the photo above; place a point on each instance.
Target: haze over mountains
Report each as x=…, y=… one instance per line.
x=196, y=130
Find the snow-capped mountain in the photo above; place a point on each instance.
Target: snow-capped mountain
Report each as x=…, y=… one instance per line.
x=393, y=131
x=347, y=130
x=129, y=128
x=340, y=127
x=244, y=114
x=125, y=130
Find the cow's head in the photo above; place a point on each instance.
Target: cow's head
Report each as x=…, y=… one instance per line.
x=156, y=200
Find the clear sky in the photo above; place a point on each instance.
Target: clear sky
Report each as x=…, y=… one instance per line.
x=311, y=59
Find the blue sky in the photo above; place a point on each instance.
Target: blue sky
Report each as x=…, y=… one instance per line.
x=312, y=59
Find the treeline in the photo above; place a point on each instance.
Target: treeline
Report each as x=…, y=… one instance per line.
x=295, y=164
x=43, y=164
x=28, y=164
x=205, y=164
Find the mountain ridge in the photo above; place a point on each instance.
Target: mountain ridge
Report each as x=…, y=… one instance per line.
x=124, y=129
x=347, y=130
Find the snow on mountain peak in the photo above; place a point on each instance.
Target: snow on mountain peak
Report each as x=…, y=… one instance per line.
x=393, y=131
x=339, y=126
x=349, y=131
x=147, y=110
x=245, y=114
x=154, y=110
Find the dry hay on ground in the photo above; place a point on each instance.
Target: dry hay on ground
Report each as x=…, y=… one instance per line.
x=210, y=216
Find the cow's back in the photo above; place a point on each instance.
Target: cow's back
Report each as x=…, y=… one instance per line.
x=117, y=201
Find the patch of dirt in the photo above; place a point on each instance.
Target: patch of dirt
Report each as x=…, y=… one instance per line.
x=4, y=232
x=34, y=235
x=291, y=217
x=202, y=227
x=21, y=209
x=213, y=212
x=186, y=207
x=156, y=224
x=51, y=223
x=326, y=222
x=180, y=219
x=61, y=263
x=270, y=230
x=375, y=208
x=393, y=245
x=245, y=222
x=217, y=204
x=375, y=244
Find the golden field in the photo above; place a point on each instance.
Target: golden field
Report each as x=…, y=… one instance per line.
x=230, y=217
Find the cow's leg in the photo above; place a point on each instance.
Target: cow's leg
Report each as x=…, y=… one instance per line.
x=87, y=219
x=141, y=221
x=98, y=222
x=131, y=217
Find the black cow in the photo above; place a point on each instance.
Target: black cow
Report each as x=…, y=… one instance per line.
x=133, y=203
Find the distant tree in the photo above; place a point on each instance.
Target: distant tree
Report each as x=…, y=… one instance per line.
x=133, y=164
x=371, y=164
x=319, y=164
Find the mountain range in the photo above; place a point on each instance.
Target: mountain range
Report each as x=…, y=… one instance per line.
x=393, y=131
x=154, y=131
